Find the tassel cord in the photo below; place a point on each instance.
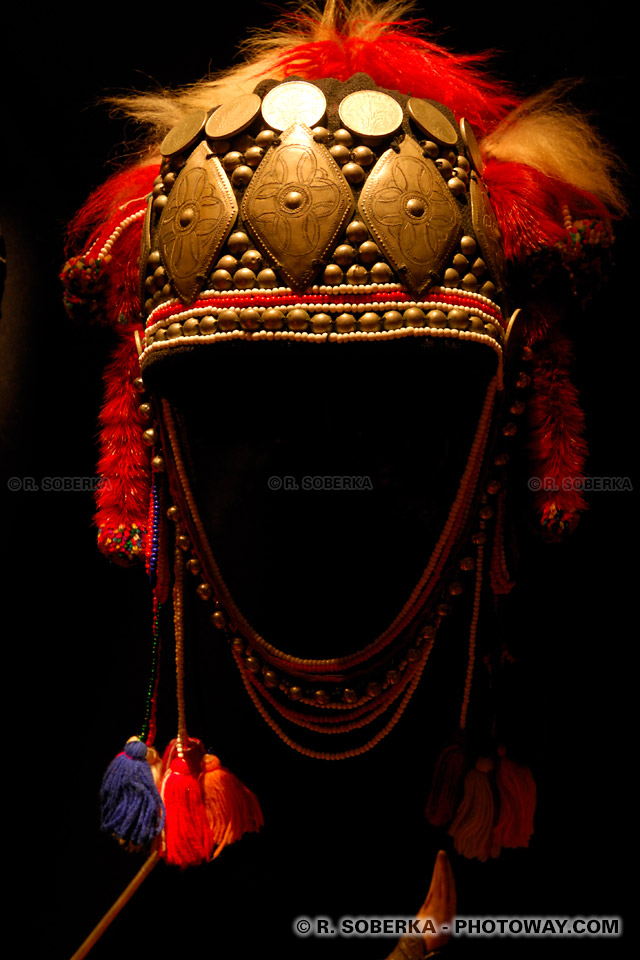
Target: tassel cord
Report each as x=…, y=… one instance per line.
x=473, y=630
x=178, y=623
x=114, y=910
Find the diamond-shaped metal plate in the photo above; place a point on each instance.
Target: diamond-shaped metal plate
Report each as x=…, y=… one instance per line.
x=411, y=213
x=297, y=204
x=487, y=231
x=196, y=220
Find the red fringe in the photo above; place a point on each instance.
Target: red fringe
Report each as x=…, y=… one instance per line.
x=557, y=448
x=123, y=495
x=188, y=840
x=528, y=206
x=402, y=59
x=517, y=793
x=232, y=808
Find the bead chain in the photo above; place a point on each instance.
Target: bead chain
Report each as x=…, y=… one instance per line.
x=457, y=516
x=106, y=249
x=472, y=633
x=178, y=623
x=345, y=754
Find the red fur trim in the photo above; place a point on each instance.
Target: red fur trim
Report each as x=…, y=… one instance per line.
x=401, y=59
x=557, y=446
x=123, y=496
x=117, y=293
x=528, y=206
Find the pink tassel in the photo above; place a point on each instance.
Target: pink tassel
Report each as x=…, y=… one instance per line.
x=517, y=794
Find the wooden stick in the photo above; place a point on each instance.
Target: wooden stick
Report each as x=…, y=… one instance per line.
x=113, y=911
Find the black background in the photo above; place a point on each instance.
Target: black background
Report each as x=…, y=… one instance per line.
x=76, y=623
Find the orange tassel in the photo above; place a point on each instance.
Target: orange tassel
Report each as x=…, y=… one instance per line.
x=472, y=827
x=187, y=837
x=232, y=808
x=517, y=795
x=445, y=787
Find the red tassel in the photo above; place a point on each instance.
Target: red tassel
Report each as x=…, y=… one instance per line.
x=472, y=827
x=232, y=808
x=187, y=838
x=445, y=787
x=517, y=794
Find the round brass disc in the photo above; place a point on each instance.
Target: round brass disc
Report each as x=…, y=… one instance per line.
x=432, y=122
x=233, y=117
x=371, y=114
x=473, y=150
x=184, y=134
x=294, y=102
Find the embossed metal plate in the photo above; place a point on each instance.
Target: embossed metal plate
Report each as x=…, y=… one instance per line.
x=471, y=145
x=184, y=134
x=196, y=220
x=233, y=117
x=371, y=114
x=293, y=102
x=296, y=204
x=145, y=247
x=487, y=232
x=411, y=214
x=432, y=122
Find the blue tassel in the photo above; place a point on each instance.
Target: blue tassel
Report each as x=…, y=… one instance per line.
x=131, y=806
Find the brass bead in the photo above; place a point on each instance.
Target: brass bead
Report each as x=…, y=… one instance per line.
x=253, y=156
x=370, y=321
x=470, y=281
x=332, y=274
x=174, y=330
x=380, y=272
x=237, y=645
x=295, y=693
x=455, y=588
x=523, y=381
x=173, y=514
x=356, y=232
x=460, y=262
x=222, y=280
x=149, y=436
x=486, y=512
x=157, y=464
x=429, y=632
x=145, y=411
x=430, y=148
x=321, y=323
x=343, y=136
x=363, y=155
x=252, y=664
x=238, y=242
x=517, y=408
x=265, y=138
x=413, y=655
x=207, y=325
x=297, y=319
x=456, y=186
x=458, y=319
x=349, y=695
x=252, y=259
x=340, y=153
x=183, y=542
x=266, y=279
x=272, y=318
x=374, y=689
x=321, y=696
x=244, y=278
x=468, y=246
x=443, y=610
x=509, y=429
x=445, y=168
x=451, y=277
x=353, y=172
x=344, y=254
x=501, y=460
x=414, y=317
x=193, y=566
x=467, y=564
x=479, y=267
x=392, y=319
x=191, y=327
x=393, y=676
x=232, y=160
x=357, y=274
x=227, y=320
x=345, y=322
x=320, y=134
x=204, y=591
x=437, y=318
x=249, y=318
x=493, y=486
x=271, y=678
x=368, y=252
x=218, y=619
x=479, y=538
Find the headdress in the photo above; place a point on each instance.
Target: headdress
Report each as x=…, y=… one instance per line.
x=351, y=184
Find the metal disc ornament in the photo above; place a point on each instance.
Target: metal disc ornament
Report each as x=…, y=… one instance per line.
x=233, y=117
x=371, y=114
x=184, y=134
x=294, y=102
x=471, y=144
x=432, y=122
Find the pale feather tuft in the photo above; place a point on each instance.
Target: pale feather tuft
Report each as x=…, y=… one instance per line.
x=545, y=133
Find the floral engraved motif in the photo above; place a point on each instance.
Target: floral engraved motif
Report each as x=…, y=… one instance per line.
x=195, y=222
x=297, y=203
x=409, y=209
